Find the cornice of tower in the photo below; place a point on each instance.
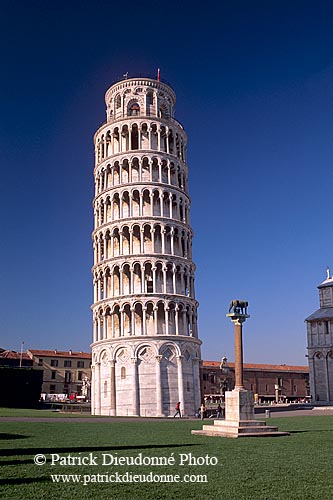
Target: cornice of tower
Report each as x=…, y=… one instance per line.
x=141, y=119
x=143, y=220
x=112, y=342
x=146, y=297
x=134, y=186
x=140, y=154
x=144, y=258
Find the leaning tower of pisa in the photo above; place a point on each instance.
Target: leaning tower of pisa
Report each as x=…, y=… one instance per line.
x=146, y=351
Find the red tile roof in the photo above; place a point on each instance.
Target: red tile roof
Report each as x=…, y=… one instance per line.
x=206, y=364
x=252, y=366
x=59, y=354
x=14, y=355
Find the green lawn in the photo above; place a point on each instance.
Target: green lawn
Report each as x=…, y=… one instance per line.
x=298, y=466
x=28, y=412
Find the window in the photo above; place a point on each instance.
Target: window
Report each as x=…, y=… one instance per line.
x=40, y=362
x=54, y=362
x=67, y=363
x=150, y=98
x=80, y=376
x=134, y=110
x=80, y=364
x=53, y=375
x=280, y=382
x=123, y=372
x=52, y=389
x=266, y=388
x=68, y=377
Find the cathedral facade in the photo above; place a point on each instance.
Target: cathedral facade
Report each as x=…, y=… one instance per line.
x=145, y=351
x=320, y=345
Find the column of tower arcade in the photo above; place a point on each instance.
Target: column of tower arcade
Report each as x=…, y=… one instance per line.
x=133, y=136
x=140, y=169
x=138, y=239
x=139, y=203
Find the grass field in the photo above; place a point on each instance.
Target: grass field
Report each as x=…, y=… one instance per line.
x=30, y=412
x=298, y=466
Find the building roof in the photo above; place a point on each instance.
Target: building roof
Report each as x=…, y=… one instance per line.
x=206, y=364
x=322, y=313
x=59, y=354
x=327, y=282
x=13, y=355
x=251, y=366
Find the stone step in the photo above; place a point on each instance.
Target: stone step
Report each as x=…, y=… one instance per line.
x=240, y=429
x=212, y=432
x=243, y=430
x=232, y=434
x=264, y=434
x=240, y=423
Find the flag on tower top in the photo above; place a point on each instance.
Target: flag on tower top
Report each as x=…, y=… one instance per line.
x=158, y=74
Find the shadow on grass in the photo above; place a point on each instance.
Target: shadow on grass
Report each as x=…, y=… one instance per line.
x=24, y=480
x=34, y=451
x=4, y=435
x=310, y=430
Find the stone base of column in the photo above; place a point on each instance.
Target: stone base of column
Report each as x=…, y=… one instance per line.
x=239, y=405
x=239, y=419
x=242, y=428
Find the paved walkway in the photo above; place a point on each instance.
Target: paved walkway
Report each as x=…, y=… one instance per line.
x=276, y=414
x=315, y=412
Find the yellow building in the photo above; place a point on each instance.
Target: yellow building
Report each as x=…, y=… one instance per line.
x=64, y=371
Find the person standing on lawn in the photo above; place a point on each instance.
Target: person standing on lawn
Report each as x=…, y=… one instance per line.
x=177, y=408
x=219, y=411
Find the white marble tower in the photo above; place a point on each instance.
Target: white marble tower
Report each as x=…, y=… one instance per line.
x=146, y=352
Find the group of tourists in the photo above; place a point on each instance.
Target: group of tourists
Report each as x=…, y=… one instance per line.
x=201, y=411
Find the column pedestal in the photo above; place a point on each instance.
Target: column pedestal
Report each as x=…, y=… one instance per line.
x=239, y=419
x=239, y=405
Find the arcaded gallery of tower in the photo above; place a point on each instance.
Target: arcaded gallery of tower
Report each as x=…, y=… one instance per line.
x=146, y=352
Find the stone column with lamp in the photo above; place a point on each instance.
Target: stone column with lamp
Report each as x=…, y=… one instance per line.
x=239, y=404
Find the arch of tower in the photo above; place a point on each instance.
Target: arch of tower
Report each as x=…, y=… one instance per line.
x=145, y=350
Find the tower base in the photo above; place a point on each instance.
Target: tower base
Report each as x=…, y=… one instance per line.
x=239, y=421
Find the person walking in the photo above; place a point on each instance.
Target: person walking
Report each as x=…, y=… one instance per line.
x=202, y=411
x=219, y=411
x=177, y=408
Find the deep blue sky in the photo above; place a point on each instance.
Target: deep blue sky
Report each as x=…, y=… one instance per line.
x=254, y=85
